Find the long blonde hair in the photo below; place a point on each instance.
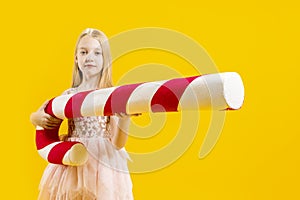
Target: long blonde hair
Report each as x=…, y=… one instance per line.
x=105, y=79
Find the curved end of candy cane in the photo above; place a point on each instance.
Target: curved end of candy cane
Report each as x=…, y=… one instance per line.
x=77, y=155
x=233, y=90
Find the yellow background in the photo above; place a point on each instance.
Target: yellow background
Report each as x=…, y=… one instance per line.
x=257, y=155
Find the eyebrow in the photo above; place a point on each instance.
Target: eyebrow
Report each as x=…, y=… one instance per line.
x=86, y=48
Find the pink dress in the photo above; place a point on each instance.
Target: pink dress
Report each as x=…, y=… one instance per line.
x=105, y=176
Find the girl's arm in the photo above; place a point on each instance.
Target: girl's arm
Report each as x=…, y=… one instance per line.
x=119, y=129
x=44, y=120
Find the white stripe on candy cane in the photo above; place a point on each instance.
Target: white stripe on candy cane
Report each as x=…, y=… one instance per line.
x=94, y=102
x=44, y=152
x=140, y=99
x=59, y=104
x=196, y=95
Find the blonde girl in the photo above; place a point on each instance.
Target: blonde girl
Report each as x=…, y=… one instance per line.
x=105, y=176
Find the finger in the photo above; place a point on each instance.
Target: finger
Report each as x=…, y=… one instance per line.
x=122, y=115
x=49, y=127
x=136, y=114
x=50, y=123
x=117, y=115
x=43, y=121
x=63, y=137
x=53, y=119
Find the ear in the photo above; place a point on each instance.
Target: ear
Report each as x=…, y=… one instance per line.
x=76, y=60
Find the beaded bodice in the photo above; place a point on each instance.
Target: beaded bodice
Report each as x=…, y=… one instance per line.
x=89, y=127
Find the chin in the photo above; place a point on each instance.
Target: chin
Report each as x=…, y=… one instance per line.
x=91, y=73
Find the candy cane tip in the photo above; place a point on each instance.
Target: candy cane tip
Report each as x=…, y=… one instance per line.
x=233, y=90
x=76, y=156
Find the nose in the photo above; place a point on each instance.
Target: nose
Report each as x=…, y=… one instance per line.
x=89, y=57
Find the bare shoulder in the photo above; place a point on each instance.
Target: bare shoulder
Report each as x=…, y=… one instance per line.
x=69, y=91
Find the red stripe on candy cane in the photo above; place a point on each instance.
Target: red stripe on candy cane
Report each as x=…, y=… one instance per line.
x=48, y=108
x=73, y=106
x=58, y=152
x=45, y=137
x=116, y=103
x=166, y=98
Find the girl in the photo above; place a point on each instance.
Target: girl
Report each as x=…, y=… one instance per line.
x=105, y=175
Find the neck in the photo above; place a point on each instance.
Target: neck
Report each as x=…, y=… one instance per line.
x=89, y=83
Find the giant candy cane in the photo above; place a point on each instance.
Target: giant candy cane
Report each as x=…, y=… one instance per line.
x=219, y=91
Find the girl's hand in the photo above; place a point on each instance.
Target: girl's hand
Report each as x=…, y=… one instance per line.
x=124, y=115
x=44, y=120
x=123, y=120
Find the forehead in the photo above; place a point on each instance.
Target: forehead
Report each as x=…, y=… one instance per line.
x=88, y=42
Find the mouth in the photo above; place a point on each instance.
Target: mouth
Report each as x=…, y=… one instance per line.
x=89, y=65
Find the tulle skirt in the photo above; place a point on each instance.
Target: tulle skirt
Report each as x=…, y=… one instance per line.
x=105, y=176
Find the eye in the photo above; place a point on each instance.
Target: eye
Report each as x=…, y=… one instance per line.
x=98, y=53
x=82, y=52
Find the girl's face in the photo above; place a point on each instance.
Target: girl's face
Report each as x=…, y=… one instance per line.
x=89, y=56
